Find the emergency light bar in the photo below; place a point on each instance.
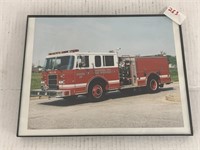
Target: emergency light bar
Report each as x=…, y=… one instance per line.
x=62, y=52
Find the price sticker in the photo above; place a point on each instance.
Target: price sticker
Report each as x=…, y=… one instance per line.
x=175, y=15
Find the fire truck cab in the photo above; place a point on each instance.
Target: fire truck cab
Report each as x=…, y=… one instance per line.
x=70, y=73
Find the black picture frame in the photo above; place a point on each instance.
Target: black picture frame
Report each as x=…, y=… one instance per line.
x=44, y=134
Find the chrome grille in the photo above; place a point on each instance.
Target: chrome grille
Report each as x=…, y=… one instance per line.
x=53, y=82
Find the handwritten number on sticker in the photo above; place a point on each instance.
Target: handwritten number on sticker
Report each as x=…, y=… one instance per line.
x=173, y=11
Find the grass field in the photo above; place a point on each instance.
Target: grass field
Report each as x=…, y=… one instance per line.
x=36, y=78
x=174, y=74
x=35, y=81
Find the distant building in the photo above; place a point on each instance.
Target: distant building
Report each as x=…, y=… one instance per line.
x=36, y=69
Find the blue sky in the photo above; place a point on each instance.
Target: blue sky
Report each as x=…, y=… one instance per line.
x=134, y=35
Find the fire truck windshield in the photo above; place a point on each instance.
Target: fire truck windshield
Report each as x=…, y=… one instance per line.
x=60, y=63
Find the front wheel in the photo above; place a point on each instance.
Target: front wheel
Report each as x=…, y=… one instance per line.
x=96, y=92
x=153, y=85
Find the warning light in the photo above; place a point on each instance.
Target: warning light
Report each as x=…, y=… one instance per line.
x=66, y=51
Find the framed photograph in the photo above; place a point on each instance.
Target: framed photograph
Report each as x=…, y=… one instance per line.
x=104, y=75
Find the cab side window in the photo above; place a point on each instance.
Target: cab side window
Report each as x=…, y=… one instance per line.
x=82, y=61
x=97, y=61
x=108, y=60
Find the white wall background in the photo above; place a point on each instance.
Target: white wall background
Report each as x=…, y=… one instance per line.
x=12, y=35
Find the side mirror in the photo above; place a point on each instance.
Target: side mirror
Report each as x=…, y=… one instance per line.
x=82, y=64
x=79, y=63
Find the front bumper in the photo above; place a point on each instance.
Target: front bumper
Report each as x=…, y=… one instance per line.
x=50, y=93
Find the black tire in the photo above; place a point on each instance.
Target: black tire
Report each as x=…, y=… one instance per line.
x=153, y=85
x=96, y=91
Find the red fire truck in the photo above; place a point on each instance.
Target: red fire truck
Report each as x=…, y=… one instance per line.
x=71, y=73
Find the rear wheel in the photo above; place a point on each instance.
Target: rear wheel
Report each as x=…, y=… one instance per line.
x=153, y=85
x=96, y=91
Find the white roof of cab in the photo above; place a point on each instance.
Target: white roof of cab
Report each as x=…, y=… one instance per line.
x=81, y=53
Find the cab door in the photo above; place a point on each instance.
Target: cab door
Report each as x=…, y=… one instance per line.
x=82, y=74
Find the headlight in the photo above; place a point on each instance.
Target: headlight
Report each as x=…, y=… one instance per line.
x=61, y=82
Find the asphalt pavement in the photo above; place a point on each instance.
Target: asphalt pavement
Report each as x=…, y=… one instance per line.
x=118, y=110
